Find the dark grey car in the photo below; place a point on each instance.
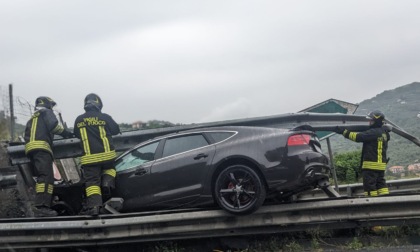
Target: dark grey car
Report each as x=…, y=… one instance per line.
x=235, y=167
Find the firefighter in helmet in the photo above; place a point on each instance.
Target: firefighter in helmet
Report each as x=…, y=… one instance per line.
x=374, y=153
x=95, y=130
x=39, y=134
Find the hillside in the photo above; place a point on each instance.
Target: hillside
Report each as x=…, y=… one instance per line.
x=402, y=107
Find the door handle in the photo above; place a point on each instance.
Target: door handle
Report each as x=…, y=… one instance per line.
x=201, y=155
x=140, y=172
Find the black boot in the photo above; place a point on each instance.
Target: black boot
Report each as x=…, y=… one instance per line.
x=43, y=211
x=94, y=211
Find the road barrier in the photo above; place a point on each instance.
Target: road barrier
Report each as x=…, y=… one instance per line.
x=142, y=227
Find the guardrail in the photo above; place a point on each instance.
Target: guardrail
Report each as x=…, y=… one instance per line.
x=7, y=177
x=67, y=148
x=117, y=229
x=400, y=186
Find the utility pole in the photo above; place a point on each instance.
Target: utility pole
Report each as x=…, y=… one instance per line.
x=12, y=113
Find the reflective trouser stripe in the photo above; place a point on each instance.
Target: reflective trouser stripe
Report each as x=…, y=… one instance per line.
x=94, y=196
x=110, y=172
x=371, y=193
x=383, y=191
x=40, y=188
x=92, y=190
x=50, y=189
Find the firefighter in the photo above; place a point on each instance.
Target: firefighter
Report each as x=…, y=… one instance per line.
x=39, y=133
x=95, y=130
x=374, y=157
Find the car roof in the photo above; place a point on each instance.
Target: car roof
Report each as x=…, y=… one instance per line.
x=222, y=128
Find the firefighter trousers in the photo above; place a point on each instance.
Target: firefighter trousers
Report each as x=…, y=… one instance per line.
x=42, y=162
x=374, y=183
x=99, y=180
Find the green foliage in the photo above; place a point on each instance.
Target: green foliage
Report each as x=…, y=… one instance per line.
x=347, y=166
x=293, y=246
x=152, y=124
x=125, y=127
x=4, y=130
x=355, y=244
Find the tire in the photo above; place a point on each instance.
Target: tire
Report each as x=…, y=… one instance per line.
x=238, y=189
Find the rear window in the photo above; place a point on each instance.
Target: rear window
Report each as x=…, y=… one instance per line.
x=220, y=136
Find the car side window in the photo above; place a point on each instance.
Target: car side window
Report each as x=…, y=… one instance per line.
x=220, y=136
x=137, y=157
x=183, y=143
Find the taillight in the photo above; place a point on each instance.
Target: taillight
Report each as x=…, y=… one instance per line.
x=301, y=139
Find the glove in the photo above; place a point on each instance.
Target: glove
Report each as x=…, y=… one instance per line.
x=387, y=127
x=338, y=130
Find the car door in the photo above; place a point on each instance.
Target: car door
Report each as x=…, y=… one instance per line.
x=133, y=174
x=179, y=174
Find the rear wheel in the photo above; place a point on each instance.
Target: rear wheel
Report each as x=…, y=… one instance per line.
x=239, y=189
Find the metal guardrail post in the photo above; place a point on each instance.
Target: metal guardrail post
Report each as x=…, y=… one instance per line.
x=334, y=172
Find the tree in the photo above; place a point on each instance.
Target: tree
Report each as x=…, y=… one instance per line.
x=4, y=129
x=347, y=166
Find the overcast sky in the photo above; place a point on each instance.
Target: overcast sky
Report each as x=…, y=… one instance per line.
x=193, y=61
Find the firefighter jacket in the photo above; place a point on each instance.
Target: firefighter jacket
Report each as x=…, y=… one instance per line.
x=40, y=130
x=95, y=130
x=375, y=145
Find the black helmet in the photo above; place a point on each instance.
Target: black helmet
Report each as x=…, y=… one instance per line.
x=377, y=117
x=44, y=101
x=93, y=101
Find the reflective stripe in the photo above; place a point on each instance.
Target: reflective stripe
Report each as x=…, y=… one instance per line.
x=98, y=157
x=58, y=129
x=353, y=136
x=371, y=193
x=34, y=145
x=383, y=191
x=380, y=148
x=110, y=172
x=92, y=190
x=40, y=187
x=85, y=141
x=105, y=141
x=33, y=129
x=50, y=189
x=373, y=165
